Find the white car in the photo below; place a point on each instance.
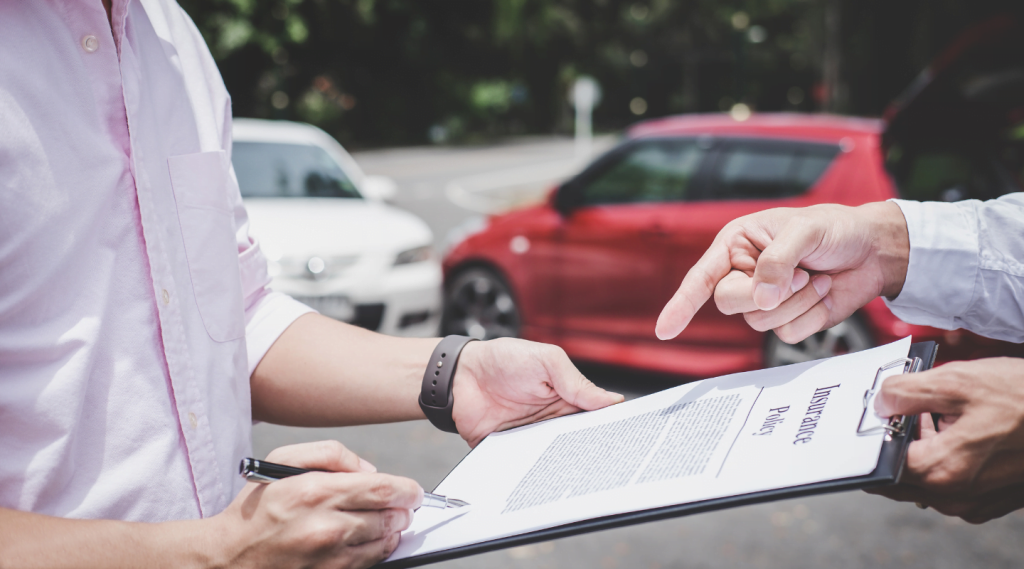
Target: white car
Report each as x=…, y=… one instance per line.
x=330, y=239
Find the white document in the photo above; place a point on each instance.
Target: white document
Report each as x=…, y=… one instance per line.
x=731, y=435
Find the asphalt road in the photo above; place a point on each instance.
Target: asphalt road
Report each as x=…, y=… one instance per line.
x=837, y=531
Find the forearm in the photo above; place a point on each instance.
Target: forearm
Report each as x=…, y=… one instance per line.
x=322, y=372
x=35, y=540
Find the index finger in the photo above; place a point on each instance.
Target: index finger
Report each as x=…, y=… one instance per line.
x=370, y=491
x=329, y=455
x=697, y=287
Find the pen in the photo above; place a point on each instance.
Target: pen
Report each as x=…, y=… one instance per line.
x=263, y=472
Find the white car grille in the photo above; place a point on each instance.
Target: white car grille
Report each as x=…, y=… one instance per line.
x=313, y=268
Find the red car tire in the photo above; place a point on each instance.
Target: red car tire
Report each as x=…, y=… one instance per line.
x=850, y=335
x=480, y=304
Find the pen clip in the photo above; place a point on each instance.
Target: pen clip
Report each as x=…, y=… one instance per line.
x=248, y=469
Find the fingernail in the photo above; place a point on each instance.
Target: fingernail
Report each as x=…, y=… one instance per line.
x=619, y=398
x=821, y=284
x=766, y=296
x=828, y=302
x=366, y=466
x=799, y=280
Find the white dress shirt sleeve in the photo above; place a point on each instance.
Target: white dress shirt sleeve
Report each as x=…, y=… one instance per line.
x=966, y=266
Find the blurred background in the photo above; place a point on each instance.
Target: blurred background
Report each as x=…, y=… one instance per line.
x=378, y=73
x=550, y=169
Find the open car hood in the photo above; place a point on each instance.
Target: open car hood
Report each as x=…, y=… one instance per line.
x=971, y=94
x=958, y=131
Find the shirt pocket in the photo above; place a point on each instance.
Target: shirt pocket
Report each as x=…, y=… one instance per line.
x=199, y=182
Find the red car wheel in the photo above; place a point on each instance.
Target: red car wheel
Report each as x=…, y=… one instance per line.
x=480, y=305
x=850, y=335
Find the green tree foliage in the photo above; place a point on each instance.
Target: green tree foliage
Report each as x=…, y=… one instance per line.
x=380, y=72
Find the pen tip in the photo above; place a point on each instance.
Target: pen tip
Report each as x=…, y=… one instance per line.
x=453, y=503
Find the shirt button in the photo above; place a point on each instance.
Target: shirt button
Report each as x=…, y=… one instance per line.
x=166, y=296
x=90, y=43
x=193, y=420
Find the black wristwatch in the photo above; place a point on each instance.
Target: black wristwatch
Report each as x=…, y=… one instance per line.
x=436, y=394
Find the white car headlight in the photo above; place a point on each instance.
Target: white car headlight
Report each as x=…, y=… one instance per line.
x=414, y=255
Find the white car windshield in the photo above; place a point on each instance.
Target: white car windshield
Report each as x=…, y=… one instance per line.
x=276, y=170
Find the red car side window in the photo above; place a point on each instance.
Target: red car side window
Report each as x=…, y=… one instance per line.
x=652, y=171
x=769, y=169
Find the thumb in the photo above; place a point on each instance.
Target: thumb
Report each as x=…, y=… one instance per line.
x=330, y=456
x=773, y=275
x=590, y=397
x=915, y=393
x=576, y=389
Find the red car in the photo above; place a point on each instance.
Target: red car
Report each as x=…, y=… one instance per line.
x=590, y=269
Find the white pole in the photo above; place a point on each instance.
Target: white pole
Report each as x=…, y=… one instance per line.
x=584, y=95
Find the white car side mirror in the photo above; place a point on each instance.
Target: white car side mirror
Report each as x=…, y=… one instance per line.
x=379, y=188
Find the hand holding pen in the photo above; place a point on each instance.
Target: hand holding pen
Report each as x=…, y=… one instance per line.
x=343, y=514
x=265, y=472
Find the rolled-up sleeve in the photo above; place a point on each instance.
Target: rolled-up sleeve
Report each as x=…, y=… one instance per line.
x=267, y=313
x=966, y=266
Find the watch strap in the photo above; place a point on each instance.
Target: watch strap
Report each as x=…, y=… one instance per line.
x=436, y=393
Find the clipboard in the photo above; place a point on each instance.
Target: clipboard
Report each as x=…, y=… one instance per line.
x=891, y=461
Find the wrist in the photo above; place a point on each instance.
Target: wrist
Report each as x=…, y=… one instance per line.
x=471, y=360
x=218, y=542
x=470, y=363
x=891, y=244
x=198, y=544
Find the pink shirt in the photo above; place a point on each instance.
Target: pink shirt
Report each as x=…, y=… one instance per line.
x=133, y=302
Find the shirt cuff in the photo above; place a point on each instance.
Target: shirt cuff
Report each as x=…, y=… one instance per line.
x=271, y=316
x=943, y=268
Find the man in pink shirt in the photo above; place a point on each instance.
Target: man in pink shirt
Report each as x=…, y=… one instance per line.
x=139, y=338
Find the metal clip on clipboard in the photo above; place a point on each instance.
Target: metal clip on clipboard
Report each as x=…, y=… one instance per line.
x=897, y=424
